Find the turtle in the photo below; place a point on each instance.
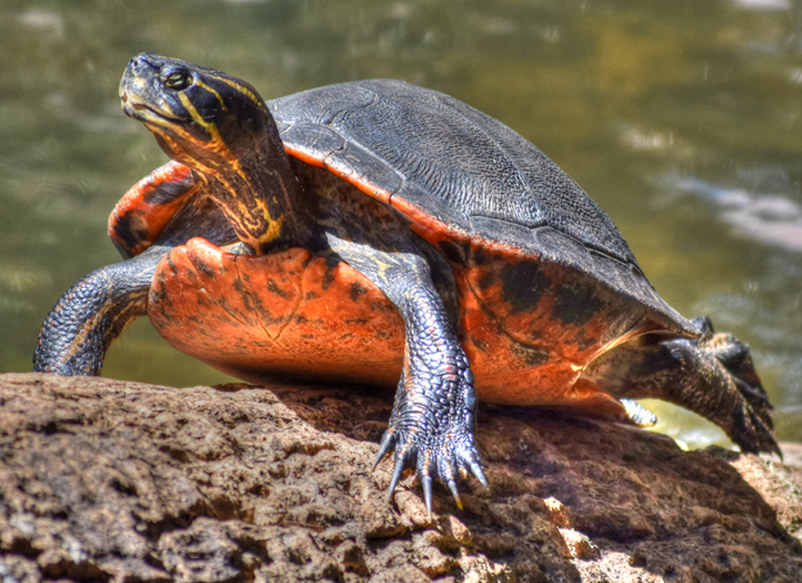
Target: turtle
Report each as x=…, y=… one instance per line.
x=382, y=233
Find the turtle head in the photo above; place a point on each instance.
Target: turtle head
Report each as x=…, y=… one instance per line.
x=197, y=114
x=220, y=127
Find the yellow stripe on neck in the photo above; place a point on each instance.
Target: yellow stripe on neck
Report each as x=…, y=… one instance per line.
x=244, y=210
x=241, y=89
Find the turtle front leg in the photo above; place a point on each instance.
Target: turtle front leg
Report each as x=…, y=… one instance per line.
x=92, y=313
x=432, y=424
x=433, y=419
x=140, y=217
x=160, y=211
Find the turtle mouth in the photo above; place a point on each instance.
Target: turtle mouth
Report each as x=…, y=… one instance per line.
x=145, y=112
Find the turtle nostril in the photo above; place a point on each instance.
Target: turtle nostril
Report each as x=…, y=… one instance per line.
x=141, y=62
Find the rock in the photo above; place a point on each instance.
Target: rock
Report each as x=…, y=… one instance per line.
x=108, y=480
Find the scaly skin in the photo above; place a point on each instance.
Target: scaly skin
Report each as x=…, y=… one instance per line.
x=93, y=313
x=161, y=211
x=712, y=375
x=432, y=424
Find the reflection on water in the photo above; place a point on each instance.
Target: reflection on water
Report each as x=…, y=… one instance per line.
x=681, y=119
x=768, y=219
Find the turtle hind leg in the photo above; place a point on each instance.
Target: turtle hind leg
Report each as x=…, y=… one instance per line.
x=712, y=375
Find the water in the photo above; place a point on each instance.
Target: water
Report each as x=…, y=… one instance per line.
x=681, y=119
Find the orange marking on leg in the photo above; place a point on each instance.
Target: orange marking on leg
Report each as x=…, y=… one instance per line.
x=143, y=219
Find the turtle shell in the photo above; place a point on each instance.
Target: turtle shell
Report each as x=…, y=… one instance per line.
x=546, y=282
x=461, y=176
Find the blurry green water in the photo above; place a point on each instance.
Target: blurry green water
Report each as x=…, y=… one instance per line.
x=682, y=119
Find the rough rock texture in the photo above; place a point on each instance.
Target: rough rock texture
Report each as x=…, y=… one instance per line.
x=106, y=480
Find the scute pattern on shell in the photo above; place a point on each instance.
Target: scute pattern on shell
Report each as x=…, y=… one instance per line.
x=466, y=175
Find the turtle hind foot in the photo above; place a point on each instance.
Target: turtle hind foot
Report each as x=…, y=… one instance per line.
x=712, y=375
x=730, y=393
x=434, y=457
x=752, y=427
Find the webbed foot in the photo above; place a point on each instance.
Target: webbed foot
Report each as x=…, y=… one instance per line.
x=746, y=416
x=716, y=378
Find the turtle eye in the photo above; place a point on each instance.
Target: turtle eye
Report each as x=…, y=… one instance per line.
x=178, y=80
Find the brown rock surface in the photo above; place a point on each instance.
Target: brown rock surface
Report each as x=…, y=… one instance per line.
x=108, y=480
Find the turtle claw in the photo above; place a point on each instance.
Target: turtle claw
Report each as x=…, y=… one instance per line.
x=751, y=427
x=397, y=470
x=386, y=445
x=452, y=485
x=442, y=461
x=426, y=483
x=476, y=470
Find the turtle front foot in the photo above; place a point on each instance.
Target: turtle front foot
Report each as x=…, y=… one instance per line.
x=431, y=429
